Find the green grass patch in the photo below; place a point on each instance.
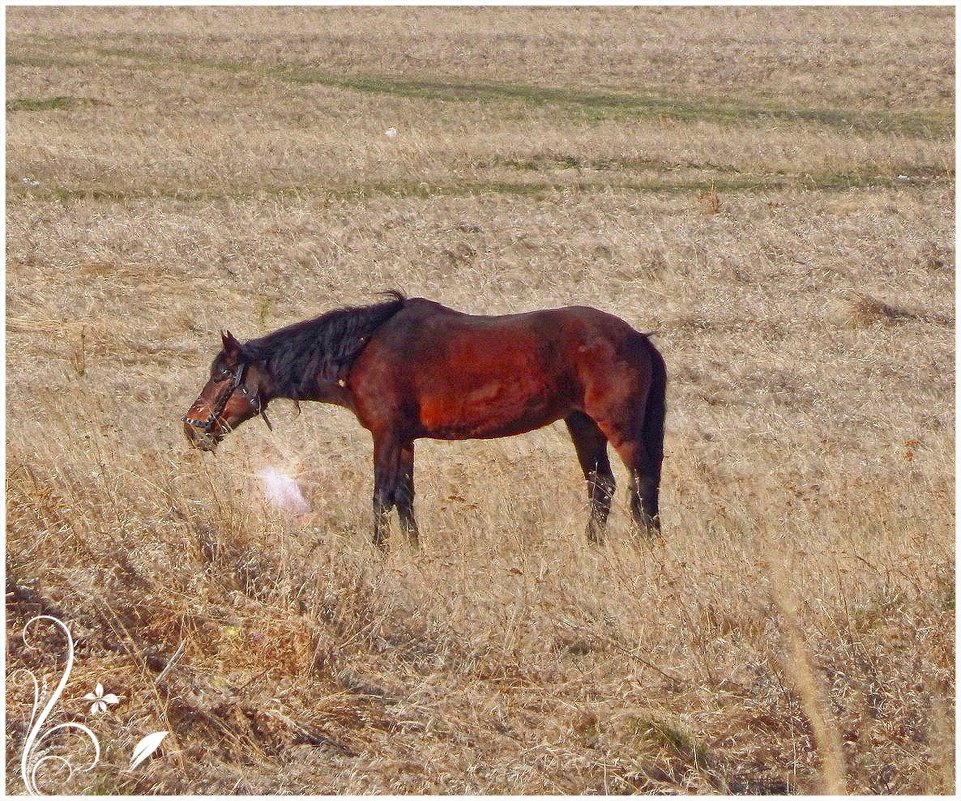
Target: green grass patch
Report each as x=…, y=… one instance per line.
x=41, y=61
x=662, y=732
x=40, y=103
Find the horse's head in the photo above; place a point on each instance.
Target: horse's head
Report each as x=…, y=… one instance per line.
x=234, y=393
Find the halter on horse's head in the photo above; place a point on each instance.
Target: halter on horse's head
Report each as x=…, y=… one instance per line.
x=233, y=394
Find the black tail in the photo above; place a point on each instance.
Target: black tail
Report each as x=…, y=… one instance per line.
x=656, y=409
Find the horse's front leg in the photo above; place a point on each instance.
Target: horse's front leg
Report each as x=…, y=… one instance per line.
x=386, y=480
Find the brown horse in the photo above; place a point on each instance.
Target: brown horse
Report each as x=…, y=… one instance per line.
x=411, y=368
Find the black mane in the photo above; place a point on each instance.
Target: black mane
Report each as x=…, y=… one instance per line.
x=323, y=348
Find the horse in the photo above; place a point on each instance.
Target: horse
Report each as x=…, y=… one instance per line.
x=410, y=368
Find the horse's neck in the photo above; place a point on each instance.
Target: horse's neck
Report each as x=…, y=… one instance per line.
x=331, y=392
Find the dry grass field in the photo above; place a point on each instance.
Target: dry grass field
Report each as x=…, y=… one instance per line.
x=770, y=190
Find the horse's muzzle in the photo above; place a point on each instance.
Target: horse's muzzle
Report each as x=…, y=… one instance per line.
x=199, y=438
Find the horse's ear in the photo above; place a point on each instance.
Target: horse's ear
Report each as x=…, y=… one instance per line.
x=231, y=345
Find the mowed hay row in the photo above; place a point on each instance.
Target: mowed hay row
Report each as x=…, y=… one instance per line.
x=786, y=236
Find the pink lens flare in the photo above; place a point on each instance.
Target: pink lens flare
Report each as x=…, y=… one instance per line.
x=281, y=490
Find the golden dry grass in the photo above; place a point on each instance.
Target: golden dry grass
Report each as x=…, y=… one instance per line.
x=770, y=190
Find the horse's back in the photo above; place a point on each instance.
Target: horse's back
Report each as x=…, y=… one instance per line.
x=426, y=317
x=426, y=333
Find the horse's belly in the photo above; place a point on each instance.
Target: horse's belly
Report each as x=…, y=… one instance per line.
x=495, y=408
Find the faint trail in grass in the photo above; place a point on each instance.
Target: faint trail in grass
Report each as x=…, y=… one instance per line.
x=590, y=104
x=421, y=189
x=552, y=161
x=603, y=105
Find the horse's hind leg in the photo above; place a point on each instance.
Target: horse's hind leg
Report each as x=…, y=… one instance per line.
x=405, y=495
x=645, y=469
x=591, y=446
x=644, y=508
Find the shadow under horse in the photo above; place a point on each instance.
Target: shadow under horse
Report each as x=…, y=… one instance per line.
x=410, y=368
